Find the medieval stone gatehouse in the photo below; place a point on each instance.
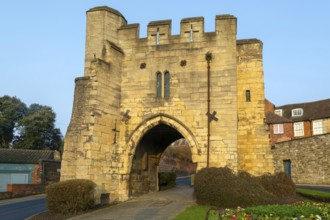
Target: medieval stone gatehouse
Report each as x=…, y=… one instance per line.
x=138, y=95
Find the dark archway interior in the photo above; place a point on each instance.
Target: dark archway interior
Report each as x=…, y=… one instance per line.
x=144, y=171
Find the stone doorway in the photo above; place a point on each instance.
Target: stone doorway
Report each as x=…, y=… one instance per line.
x=144, y=170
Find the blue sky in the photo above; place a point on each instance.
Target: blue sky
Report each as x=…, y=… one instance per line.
x=42, y=44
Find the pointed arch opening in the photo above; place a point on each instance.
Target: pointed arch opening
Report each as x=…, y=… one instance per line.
x=148, y=142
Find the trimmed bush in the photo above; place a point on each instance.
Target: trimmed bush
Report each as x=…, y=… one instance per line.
x=278, y=184
x=221, y=187
x=71, y=196
x=166, y=180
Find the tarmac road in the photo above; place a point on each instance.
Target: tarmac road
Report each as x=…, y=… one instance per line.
x=21, y=208
x=314, y=187
x=183, y=181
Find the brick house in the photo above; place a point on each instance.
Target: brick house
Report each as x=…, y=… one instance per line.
x=295, y=121
x=27, y=167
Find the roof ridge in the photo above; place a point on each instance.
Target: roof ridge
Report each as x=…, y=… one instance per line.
x=303, y=103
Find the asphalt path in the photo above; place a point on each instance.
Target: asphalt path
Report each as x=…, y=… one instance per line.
x=162, y=205
x=18, y=209
x=183, y=181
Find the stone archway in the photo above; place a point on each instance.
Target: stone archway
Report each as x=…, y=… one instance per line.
x=147, y=142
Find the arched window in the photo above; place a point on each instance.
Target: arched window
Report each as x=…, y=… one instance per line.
x=159, y=85
x=167, y=85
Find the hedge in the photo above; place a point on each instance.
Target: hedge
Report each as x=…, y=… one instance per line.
x=221, y=187
x=71, y=196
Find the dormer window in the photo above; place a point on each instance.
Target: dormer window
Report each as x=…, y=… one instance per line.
x=297, y=112
x=279, y=112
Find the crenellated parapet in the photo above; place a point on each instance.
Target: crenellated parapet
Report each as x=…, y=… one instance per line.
x=191, y=30
x=110, y=24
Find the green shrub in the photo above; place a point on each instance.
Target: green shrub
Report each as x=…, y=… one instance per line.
x=166, y=180
x=278, y=184
x=71, y=196
x=315, y=195
x=221, y=187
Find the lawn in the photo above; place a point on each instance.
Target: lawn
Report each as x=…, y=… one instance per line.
x=193, y=212
x=297, y=211
x=300, y=210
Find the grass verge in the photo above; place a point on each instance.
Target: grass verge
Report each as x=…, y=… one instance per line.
x=313, y=194
x=193, y=212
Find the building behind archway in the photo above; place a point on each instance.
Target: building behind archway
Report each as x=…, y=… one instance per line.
x=136, y=86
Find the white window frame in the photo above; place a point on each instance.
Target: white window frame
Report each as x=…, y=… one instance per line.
x=278, y=128
x=279, y=112
x=317, y=127
x=298, y=129
x=297, y=112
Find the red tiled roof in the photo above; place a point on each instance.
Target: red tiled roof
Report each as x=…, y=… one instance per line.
x=272, y=118
x=311, y=110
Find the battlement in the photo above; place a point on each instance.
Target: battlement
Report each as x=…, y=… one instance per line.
x=160, y=32
x=191, y=29
x=105, y=24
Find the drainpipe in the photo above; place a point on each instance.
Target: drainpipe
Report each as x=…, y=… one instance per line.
x=208, y=58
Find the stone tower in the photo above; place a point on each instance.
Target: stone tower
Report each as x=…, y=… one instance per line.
x=138, y=95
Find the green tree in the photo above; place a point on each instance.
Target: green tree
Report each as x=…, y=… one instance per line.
x=37, y=130
x=12, y=110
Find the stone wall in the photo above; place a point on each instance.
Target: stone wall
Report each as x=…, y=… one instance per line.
x=309, y=159
x=188, y=83
x=253, y=142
